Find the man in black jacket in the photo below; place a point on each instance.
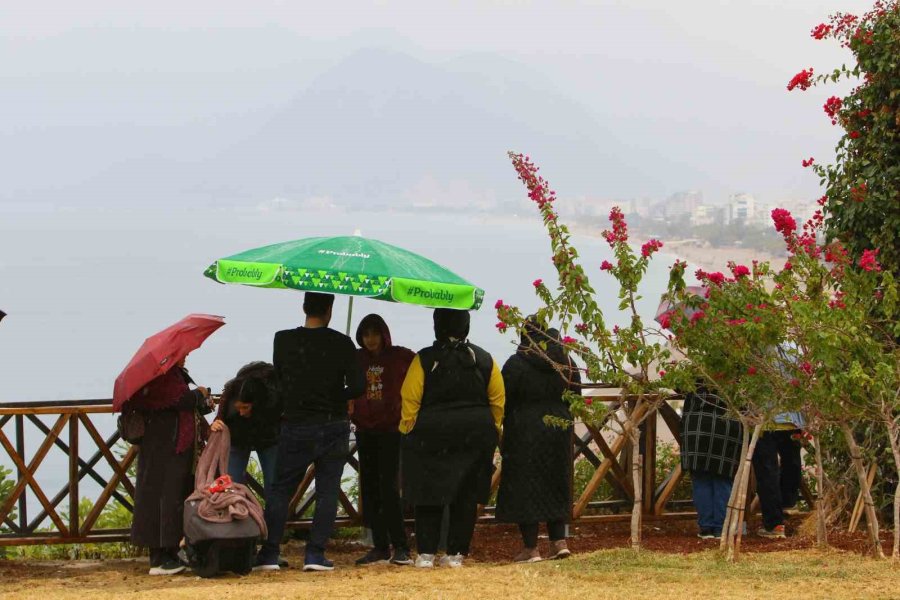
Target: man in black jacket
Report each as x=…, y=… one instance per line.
x=317, y=375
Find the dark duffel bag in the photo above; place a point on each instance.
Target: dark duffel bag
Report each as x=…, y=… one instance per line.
x=214, y=548
x=214, y=557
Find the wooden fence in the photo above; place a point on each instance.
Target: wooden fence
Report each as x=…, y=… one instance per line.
x=102, y=458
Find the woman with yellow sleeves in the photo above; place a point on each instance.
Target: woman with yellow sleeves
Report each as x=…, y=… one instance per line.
x=452, y=410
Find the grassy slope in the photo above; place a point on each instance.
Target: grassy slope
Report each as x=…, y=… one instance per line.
x=604, y=574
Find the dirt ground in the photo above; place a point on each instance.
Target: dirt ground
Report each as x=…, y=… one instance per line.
x=675, y=561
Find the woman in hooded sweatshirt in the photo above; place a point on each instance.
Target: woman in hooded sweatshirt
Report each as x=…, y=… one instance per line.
x=537, y=457
x=451, y=416
x=376, y=415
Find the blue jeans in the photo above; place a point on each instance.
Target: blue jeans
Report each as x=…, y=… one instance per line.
x=326, y=446
x=711, y=494
x=239, y=458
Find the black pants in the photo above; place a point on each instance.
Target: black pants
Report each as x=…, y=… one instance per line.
x=778, y=486
x=379, y=465
x=556, y=530
x=463, y=513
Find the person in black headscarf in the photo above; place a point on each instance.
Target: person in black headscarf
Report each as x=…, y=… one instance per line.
x=536, y=484
x=451, y=414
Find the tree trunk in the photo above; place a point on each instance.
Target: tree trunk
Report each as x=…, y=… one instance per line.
x=730, y=512
x=865, y=489
x=895, y=450
x=637, y=482
x=821, y=525
x=734, y=545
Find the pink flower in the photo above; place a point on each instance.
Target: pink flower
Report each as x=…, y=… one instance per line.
x=568, y=340
x=795, y=382
x=715, y=278
x=662, y=373
x=619, y=231
x=820, y=31
x=650, y=247
x=537, y=283
x=606, y=266
x=803, y=80
x=499, y=304
x=740, y=271
x=734, y=322
x=751, y=370
x=665, y=320
x=697, y=316
x=806, y=367
x=616, y=329
x=832, y=107
x=788, y=266
x=581, y=328
x=501, y=326
x=868, y=260
x=809, y=162
x=784, y=221
x=588, y=400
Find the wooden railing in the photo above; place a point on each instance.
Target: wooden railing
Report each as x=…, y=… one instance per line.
x=102, y=458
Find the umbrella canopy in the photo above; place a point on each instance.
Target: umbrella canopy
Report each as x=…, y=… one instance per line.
x=667, y=307
x=161, y=352
x=351, y=266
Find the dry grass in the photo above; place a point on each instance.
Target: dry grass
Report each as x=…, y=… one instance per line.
x=604, y=574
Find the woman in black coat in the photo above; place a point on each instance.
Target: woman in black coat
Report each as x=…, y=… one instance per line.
x=536, y=479
x=173, y=429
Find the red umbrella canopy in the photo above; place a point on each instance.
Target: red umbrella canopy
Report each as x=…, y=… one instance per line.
x=161, y=352
x=667, y=309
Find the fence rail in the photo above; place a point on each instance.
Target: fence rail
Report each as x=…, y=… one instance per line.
x=70, y=427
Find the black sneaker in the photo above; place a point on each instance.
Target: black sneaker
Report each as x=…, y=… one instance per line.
x=707, y=533
x=401, y=557
x=169, y=567
x=264, y=563
x=317, y=562
x=374, y=556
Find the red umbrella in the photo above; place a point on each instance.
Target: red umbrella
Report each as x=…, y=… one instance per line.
x=667, y=308
x=161, y=352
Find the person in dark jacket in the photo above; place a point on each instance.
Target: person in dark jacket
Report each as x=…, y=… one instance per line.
x=173, y=431
x=376, y=415
x=317, y=375
x=710, y=452
x=536, y=481
x=451, y=416
x=252, y=411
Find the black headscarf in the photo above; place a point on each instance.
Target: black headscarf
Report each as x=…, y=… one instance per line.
x=449, y=323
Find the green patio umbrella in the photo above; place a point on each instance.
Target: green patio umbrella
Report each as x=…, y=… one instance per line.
x=351, y=266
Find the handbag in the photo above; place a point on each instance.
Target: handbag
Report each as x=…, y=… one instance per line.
x=131, y=426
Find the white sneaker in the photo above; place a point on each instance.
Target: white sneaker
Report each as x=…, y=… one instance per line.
x=425, y=561
x=168, y=568
x=453, y=562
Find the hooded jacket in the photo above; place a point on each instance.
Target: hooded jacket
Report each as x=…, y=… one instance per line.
x=378, y=408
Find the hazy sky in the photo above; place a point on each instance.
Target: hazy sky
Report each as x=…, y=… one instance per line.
x=694, y=90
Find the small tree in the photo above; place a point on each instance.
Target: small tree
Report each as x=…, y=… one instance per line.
x=626, y=357
x=732, y=342
x=842, y=323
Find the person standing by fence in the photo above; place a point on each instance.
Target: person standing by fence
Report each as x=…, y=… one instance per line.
x=173, y=431
x=317, y=375
x=536, y=483
x=451, y=414
x=376, y=414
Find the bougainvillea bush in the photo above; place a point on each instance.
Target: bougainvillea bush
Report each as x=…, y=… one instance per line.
x=862, y=188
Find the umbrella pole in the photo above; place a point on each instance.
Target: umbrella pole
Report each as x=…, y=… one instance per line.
x=349, y=314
